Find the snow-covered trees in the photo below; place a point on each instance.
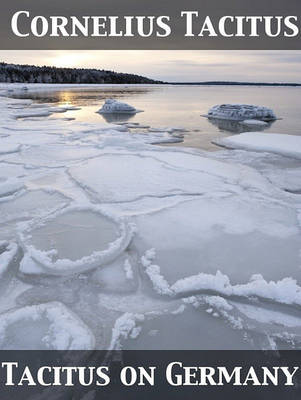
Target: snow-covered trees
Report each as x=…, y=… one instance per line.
x=32, y=74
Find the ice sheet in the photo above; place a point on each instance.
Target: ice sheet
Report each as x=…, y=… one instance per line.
x=286, y=145
x=110, y=242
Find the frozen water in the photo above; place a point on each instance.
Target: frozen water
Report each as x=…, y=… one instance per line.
x=241, y=112
x=9, y=148
x=49, y=326
x=161, y=174
x=216, y=252
x=112, y=106
x=32, y=204
x=214, y=229
x=76, y=239
x=117, y=276
x=7, y=253
x=286, y=145
x=255, y=122
x=203, y=331
x=282, y=171
x=10, y=186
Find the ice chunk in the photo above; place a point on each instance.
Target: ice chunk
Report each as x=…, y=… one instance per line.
x=153, y=271
x=7, y=253
x=241, y=112
x=285, y=291
x=63, y=109
x=167, y=129
x=48, y=326
x=29, y=266
x=113, y=106
x=286, y=145
x=125, y=326
x=76, y=239
x=255, y=122
x=33, y=113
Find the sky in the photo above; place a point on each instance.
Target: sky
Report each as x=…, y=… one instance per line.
x=172, y=66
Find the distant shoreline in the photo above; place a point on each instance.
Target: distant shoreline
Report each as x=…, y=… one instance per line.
x=221, y=83
x=26, y=74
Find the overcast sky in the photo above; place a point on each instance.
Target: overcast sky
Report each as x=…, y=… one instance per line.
x=252, y=66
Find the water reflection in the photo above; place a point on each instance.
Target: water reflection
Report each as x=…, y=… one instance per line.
x=79, y=97
x=177, y=106
x=237, y=126
x=112, y=118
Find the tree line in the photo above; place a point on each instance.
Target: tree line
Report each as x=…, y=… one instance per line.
x=12, y=73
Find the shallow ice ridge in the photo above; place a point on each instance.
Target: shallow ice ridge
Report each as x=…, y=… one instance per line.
x=112, y=106
x=241, y=112
x=125, y=326
x=273, y=327
x=286, y=145
x=9, y=148
x=56, y=243
x=153, y=271
x=48, y=326
x=31, y=204
x=10, y=187
x=36, y=111
x=281, y=171
x=285, y=291
x=7, y=253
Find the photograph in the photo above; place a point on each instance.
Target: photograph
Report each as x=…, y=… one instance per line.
x=153, y=208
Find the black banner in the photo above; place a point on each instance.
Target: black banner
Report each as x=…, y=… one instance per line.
x=168, y=24
x=147, y=375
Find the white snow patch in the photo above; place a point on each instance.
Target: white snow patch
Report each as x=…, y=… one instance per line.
x=7, y=253
x=53, y=265
x=45, y=326
x=286, y=145
x=241, y=112
x=284, y=291
x=125, y=326
x=112, y=106
x=179, y=310
x=160, y=284
x=128, y=269
x=255, y=122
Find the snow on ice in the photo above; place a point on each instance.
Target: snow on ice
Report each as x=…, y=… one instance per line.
x=105, y=238
x=112, y=106
x=241, y=112
x=285, y=145
x=48, y=326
